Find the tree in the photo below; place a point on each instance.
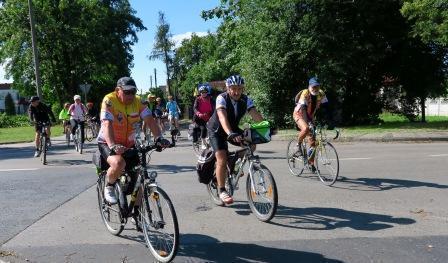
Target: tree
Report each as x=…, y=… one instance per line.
x=429, y=18
x=79, y=41
x=10, y=108
x=163, y=48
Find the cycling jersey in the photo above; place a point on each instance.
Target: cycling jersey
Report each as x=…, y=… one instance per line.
x=77, y=111
x=64, y=115
x=125, y=118
x=310, y=102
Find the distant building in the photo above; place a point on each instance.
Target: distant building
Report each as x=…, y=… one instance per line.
x=6, y=88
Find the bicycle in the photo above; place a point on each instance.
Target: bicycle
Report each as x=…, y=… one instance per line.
x=43, y=138
x=90, y=129
x=197, y=146
x=157, y=216
x=77, y=140
x=194, y=132
x=324, y=155
x=67, y=131
x=261, y=189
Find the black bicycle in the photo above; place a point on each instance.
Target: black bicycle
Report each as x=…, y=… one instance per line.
x=43, y=138
x=155, y=217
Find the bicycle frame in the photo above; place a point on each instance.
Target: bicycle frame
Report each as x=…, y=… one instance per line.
x=247, y=156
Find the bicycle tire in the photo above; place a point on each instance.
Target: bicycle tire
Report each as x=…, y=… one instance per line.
x=263, y=211
x=79, y=140
x=213, y=191
x=89, y=133
x=43, y=149
x=197, y=148
x=156, y=216
x=67, y=137
x=296, y=160
x=115, y=228
x=325, y=157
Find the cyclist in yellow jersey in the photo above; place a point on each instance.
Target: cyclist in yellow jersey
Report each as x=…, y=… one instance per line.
x=308, y=102
x=121, y=112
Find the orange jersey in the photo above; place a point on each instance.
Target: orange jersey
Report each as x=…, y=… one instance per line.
x=125, y=118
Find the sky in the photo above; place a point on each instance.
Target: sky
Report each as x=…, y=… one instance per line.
x=183, y=16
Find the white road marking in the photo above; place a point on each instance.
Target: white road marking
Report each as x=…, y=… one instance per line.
x=22, y=169
x=439, y=155
x=360, y=158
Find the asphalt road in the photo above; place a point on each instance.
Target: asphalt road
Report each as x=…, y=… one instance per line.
x=389, y=206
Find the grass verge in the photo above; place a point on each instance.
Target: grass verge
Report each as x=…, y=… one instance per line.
x=24, y=134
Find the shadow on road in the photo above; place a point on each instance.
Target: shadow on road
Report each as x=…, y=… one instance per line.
x=210, y=249
x=381, y=184
x=327, y=218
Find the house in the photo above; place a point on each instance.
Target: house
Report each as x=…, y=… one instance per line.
x=6, y=88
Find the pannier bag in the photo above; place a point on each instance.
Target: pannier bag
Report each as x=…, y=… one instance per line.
x=206, y=166
x=258, y=133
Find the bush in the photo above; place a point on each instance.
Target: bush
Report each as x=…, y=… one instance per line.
x=7, y=121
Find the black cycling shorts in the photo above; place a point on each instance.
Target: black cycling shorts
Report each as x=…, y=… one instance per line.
x=130, y=156
x=219, y=141
x=38, y=127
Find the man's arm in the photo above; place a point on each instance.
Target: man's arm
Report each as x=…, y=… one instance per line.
x=50, y=112
x=30, y=114
x=108, y=132
x=222, y=116
x=150, y=123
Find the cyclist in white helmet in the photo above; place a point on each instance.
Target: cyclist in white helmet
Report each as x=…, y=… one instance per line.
x=77, y=113
x=231, y=106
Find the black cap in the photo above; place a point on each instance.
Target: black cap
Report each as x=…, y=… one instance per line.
x=126, y=83
x=34, y=98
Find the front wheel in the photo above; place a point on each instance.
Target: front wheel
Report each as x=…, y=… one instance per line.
x=296, y=159
x=43, y=150
x=110, y=214
x=327, y=163
x=159, y=224
x=89, y=133
x=262, y=192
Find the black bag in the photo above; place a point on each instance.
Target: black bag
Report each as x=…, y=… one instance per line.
x=205, y=167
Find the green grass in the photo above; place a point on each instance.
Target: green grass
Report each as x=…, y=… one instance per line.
x=391, y=123
x=24, y=134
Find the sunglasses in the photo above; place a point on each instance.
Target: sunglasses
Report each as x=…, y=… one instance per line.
x=204, y=91
x=130, y=92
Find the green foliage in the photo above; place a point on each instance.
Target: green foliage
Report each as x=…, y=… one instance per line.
x=429, y=18
x=10, y=108
x=78, y=41
x=9, y=121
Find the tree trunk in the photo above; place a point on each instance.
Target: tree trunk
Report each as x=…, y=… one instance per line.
x=422, y=105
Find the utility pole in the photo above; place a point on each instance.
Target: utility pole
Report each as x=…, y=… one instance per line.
x=150, y=79
x=34, y=44
x=155, y=77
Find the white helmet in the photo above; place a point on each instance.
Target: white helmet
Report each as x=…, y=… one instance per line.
x=76, y=97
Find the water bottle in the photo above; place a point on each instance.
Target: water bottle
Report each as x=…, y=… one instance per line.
x=310, y=152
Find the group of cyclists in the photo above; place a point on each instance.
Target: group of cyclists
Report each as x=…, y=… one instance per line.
x=71, y=116
x=122, y=111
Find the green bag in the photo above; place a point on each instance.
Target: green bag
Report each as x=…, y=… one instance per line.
x=259, y=133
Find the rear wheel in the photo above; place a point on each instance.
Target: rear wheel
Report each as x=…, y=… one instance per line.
x=110, y=214
x=213, y=191
x=327, y=163
x=296, y=159
x=262, y=192
x=159, y=224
